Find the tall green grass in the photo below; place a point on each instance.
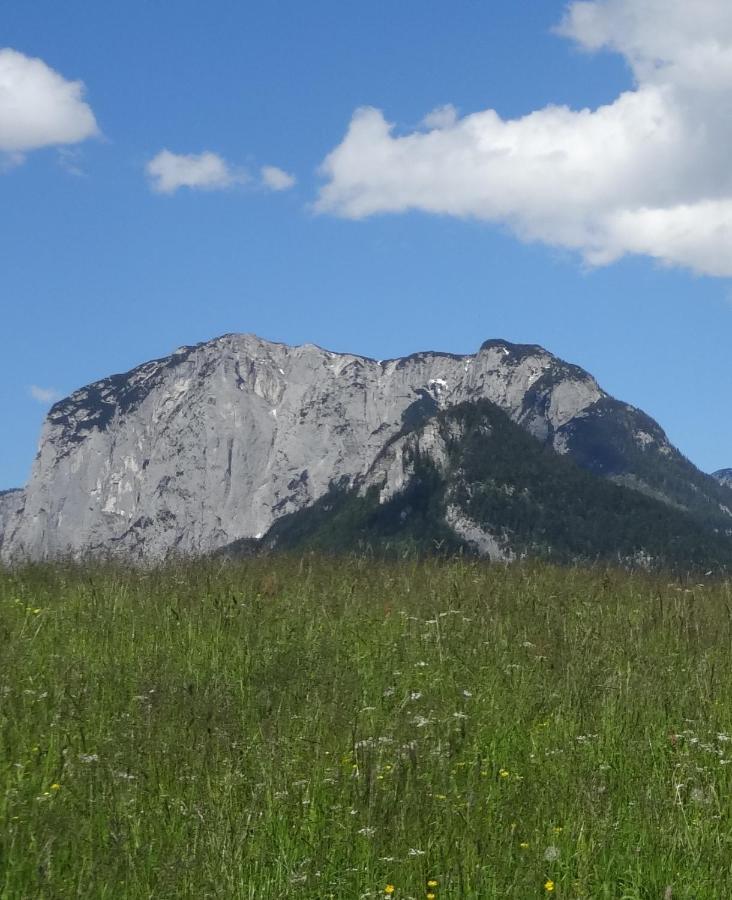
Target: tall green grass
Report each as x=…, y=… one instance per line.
x=325, y=729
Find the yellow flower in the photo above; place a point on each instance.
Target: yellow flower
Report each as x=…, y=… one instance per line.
x=504, y=773
x=432, y=883
x=524, y=845
x=55, y=786
x=389, y=889
x=549, y=886
x=431, y=896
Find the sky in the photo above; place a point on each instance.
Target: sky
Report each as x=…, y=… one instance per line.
x=373, y=177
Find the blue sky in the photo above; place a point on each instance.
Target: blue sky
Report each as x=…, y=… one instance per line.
x=100, y=271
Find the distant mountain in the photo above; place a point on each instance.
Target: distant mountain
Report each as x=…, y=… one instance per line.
x=468, y=479
x=217, y=442
x=723, y=476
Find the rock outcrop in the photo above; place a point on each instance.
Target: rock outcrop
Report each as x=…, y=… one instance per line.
x=212, y=444
x=723, y=476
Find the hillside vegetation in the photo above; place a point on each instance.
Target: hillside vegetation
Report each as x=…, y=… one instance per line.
x=536, y=502
x=314, y=728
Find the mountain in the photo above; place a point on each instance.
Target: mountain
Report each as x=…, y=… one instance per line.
x=216, y=442
x=470, y=480
x=723, y=476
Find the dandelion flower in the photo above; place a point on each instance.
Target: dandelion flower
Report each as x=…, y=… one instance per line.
x=504, y=773
x=55, y=786
x=389, y=889
x=549, y=886
x=431, y=896
x=524, y=845
x=432, y=883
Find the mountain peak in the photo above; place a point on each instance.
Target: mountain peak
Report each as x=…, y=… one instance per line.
x=212, y=444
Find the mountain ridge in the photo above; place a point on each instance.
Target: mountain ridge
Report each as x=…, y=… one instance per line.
x=213, y=443
x=471, y=481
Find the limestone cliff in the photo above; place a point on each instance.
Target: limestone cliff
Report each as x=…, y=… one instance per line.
x=215, y=442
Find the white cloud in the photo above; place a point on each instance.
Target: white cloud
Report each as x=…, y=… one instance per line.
x=207, y=171
x=441, y=117
x=44, y=395
x=647, y=174
x=38, y=107
x=276, y=179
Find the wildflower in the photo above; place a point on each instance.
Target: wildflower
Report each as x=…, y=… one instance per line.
x=432, y=883
x=55, y=786
x=524, y=845
x=389, y=889
x=551, y=854
x=558, y=829
x=504, y=773
x=549, y=886
x=431, y=896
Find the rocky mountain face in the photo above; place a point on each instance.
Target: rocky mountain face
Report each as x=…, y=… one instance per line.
x=470, y=480
x=216, y=442
x=11, y=505
x=723, y=476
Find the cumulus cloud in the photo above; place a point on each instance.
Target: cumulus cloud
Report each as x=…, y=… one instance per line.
x=646, y=174
x=44, y=395
x=39, y=107
x=206, y=171
x=276, y=179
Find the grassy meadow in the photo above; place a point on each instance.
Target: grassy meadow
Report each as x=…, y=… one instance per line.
x=313, y=728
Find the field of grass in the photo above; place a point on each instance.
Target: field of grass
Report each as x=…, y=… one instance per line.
x=352, y=729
